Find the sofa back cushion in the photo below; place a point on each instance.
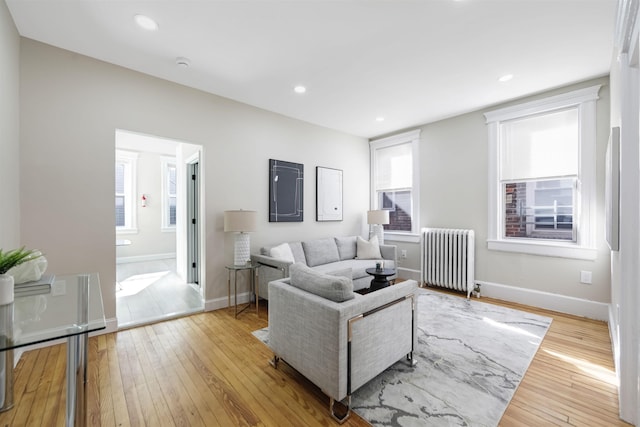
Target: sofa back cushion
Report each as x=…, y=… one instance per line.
x=334, y=288
x=321, y=251
x=298, y=252
x=346, y=247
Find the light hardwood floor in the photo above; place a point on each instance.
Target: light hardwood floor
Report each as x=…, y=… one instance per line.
x=208, y=370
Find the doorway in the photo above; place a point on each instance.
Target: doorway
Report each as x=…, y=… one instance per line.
x=158, y=235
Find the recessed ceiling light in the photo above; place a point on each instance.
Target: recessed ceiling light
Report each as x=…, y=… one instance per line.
x=505, y=78
x=145, y=22
x=300, y=89
x=380, y=119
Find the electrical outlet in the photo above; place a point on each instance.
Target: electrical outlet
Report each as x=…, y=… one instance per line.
x=585, y=277
x=403, y=253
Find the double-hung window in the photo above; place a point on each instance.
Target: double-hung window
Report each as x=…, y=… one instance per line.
x=394, y=178
x=542, y=176
x=125, y=191
x=169, y=193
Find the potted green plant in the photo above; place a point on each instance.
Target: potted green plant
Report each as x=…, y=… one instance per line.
x=8, y=260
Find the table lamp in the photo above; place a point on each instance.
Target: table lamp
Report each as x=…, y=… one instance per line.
x=376, y=219
x=240, y=222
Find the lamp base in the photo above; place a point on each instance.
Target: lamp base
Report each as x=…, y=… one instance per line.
x=377, y=230
x=241, y=249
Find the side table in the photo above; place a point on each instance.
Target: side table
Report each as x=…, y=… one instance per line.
x=253, y=289
x=380, y=280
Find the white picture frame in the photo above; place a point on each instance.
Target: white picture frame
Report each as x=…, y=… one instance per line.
x=328, y=194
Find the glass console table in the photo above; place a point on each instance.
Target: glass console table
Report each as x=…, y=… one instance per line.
x=71, y=309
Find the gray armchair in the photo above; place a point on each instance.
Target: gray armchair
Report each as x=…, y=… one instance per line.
x=340, y=346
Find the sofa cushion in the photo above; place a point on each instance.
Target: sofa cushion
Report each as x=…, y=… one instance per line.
x=282, y=252
x=346, y=247
x=368, y=250
x=298, y=252
x=321, y=251
x=334, y=288
x=343, y=272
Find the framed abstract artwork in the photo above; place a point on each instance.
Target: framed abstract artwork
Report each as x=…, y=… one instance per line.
x=328, y=194
x=286, y=187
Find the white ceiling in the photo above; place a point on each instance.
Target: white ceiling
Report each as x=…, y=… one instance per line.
x=411, y=62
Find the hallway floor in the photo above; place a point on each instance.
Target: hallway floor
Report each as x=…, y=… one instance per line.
x=150, y=291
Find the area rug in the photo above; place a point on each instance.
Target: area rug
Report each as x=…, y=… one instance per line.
x=471, y=358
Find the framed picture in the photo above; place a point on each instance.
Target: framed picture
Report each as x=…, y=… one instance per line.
x=328, y=194
x=286, y=186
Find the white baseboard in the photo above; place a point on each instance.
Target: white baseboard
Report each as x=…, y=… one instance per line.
x=112, y=326
x=556, y=302
x=142, y=258
x=408, y=273
x=218, y=303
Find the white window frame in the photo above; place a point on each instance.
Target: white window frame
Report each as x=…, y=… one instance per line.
x=164, y=173
x=584, y=247
x=130, y=160
x=412, y=137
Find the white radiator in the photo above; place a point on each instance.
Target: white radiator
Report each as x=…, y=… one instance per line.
x=448, y=258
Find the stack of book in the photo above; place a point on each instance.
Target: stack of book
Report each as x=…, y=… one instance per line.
x=35, y=287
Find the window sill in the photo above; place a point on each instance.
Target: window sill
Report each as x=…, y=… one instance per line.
x=171, y=229
x=126, y=231
x=401, y=237
x=561, y=250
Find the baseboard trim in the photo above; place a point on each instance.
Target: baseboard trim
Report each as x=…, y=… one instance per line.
x=223, y=302
x=142, y=258
x=409, y=274
x=112, y=326
x=547, y=300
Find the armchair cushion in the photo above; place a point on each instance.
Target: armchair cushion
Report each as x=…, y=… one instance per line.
x=368, y=250
x=334, y=288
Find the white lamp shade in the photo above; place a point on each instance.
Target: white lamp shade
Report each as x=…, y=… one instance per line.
x=240, y=221
x=378, y=217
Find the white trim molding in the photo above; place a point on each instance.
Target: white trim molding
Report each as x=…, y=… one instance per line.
x=547, y=300
x=585, y=248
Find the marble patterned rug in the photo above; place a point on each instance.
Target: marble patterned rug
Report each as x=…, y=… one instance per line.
x=471, y=358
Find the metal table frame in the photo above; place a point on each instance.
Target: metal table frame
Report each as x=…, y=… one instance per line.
x=253, y=288
x=72, y=309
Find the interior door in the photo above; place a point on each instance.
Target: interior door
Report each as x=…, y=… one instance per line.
x=193, y=222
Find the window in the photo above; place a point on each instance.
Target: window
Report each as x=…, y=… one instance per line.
x=542, y=176
x=394, y=177
x=125, y=191
x=169, y=191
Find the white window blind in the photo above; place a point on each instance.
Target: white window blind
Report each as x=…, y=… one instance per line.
x=544, y=146
x=394, y=166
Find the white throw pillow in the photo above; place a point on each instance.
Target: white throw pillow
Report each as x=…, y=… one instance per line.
x=368, y=250
x=282, y=252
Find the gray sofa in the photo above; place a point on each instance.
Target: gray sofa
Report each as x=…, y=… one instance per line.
x=324, y=255
x=340, y=346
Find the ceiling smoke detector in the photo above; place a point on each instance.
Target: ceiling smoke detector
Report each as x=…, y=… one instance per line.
x=183, y=62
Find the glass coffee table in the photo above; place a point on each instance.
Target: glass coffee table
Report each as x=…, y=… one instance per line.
x=380, y=277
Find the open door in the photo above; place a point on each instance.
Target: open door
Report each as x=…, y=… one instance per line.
x=193, y=222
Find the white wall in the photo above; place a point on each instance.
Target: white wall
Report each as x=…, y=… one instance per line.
x=454, y=192
x=70, y=109
x=9, y=132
